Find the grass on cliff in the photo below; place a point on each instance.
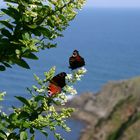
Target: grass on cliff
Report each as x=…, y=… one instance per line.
x=122, y=124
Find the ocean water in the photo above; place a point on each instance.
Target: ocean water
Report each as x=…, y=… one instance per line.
x=108, y=39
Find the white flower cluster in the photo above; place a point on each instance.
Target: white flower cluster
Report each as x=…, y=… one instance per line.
x=69, y=77
x=62, y=98
x=76, y=76
x=70, y=89
x=79, y=73
x=82, y=71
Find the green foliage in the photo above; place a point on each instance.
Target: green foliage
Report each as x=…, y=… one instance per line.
x=29, y=27
x=124, y=126
x=39, y=111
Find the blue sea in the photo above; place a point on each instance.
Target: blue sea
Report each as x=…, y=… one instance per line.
x=108, y=39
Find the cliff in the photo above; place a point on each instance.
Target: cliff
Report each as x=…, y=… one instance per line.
x=111, y=114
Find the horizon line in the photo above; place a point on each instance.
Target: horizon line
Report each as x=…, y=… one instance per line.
x=95, y=6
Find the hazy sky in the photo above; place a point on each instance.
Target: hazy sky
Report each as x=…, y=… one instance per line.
x=108, y=3
x=113, y=3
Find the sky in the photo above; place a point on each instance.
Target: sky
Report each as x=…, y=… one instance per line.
x=108, y=3
x=113, y=3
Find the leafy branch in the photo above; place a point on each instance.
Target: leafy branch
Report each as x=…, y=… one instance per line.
x=39, y=112
x=30, y=26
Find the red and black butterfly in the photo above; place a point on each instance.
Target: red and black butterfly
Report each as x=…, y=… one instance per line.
x=56, y=84
x=76, y=60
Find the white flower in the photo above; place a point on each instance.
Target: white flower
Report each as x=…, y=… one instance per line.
x=78, y=74
x=69, y=77
x=62, y=98
x=78, y=77
x=84, y=69
x=81, y=71
x=33, y=6
x=70, y=90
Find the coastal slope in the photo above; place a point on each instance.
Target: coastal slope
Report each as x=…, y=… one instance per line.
x=111, y=114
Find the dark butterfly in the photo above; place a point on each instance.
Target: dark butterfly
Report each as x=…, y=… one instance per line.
x=56, y=84
x=76, y=60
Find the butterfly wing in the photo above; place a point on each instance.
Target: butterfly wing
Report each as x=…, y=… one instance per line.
x=59, y=79
x=76, y=62
x=53, y=89
x=57, y=83
x=80, y=61
x=72, y=62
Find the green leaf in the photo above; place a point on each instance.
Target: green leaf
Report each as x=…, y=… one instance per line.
x=36, y=32
x=23, y=100
x=6, y=33
x=49, y=45
x=32, y=26
x=33, y=116
x=4, y=43
x=58, y=103
x=12, y=1
x=30, y=56
x=46, y=32
x=32, y=137
x=12, y=136
x=58, y=136
x=13, y=116
x=6, y=64
x=23, y=115
x=23, y=135
x=26, y=124
x=62, y=17
x=50, y=23
x=26, y=36
x=38, y=98
x=44, y=132
x=7, y=24
x=24, y=3
x=11, y=12
x=2, y=68
x=21, y=63
x=32, y=130
x=2, y=135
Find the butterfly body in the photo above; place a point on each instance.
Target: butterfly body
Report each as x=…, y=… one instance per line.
x=56, y=84
x=76, y=61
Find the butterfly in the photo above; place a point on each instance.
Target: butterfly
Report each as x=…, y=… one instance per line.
x=76, y=61
x=56, y=84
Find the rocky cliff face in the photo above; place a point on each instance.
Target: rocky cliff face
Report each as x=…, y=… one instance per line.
x=111, y=114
